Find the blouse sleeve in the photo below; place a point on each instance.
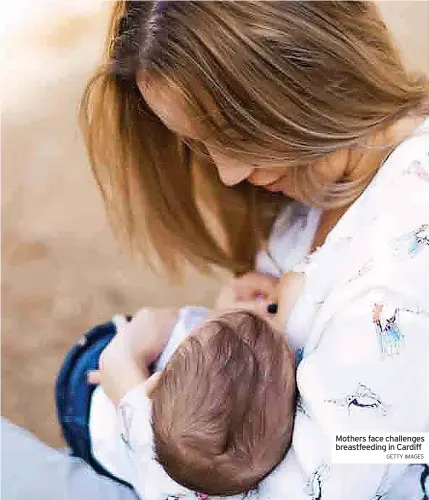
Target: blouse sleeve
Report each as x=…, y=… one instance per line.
x=364, y=366
x=366, y=372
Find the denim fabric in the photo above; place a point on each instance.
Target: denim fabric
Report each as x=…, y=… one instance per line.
x=73, y=393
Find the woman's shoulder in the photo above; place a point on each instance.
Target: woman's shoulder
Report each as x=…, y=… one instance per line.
x=382, y=241
x=396, y=200
x=402, y=199
x=409, y=158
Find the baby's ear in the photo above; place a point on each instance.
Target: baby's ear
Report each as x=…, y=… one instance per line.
x=151, y=383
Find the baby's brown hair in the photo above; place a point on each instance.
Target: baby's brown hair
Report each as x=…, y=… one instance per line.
x=224, y=406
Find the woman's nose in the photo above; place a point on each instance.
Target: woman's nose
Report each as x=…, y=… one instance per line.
x=231, y=175
x=229, y=172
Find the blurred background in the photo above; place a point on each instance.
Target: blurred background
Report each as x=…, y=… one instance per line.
x=61, y=269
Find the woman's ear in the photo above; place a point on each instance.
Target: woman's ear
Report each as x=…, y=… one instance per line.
x=151, y=383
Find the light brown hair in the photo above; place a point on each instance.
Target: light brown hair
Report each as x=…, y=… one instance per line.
x=224, y=406
x=290, y=83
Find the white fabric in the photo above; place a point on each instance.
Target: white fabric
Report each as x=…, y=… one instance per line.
x=114, y=440
x=135, y=412
x=366, y=309
x=188, y=319
x=358, y=373
x=290, y=239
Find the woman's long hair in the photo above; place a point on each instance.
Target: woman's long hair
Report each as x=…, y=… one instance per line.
x=272, y=83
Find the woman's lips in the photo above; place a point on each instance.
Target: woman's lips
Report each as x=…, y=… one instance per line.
x=274, y=187
x=277, y=185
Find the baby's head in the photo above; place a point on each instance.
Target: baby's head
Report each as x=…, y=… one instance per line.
x=223, y=407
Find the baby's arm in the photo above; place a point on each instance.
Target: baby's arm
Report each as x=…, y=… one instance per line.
x=125, y=362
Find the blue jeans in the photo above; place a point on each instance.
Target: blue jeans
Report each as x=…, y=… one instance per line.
x=73, y=393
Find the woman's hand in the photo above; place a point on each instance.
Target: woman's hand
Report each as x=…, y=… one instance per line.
x=249, y=287
x=124, y=362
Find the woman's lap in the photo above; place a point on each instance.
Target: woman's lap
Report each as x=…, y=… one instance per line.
x=32, y=470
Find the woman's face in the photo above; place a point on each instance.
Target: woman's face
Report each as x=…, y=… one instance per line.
x=166, y=105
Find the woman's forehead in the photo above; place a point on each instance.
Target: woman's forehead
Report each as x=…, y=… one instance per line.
x=174, y=109
x=168, y=104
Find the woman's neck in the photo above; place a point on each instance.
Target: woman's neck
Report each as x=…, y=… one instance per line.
x=365, y=163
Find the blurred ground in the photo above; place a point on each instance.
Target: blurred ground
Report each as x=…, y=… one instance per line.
x=61, y=269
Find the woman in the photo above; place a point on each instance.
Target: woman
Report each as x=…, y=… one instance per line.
x=216, y=118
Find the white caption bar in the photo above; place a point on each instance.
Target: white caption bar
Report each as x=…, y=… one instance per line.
x=381, y=448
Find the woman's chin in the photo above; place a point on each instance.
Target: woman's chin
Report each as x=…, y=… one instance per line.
x=278, y=188
x=274, y=189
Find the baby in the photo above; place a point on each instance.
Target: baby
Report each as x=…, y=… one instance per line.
x=206, y=400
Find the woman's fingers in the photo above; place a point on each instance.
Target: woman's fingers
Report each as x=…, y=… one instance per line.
x=255, y=285
x=249, y=287
x=259, y=306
